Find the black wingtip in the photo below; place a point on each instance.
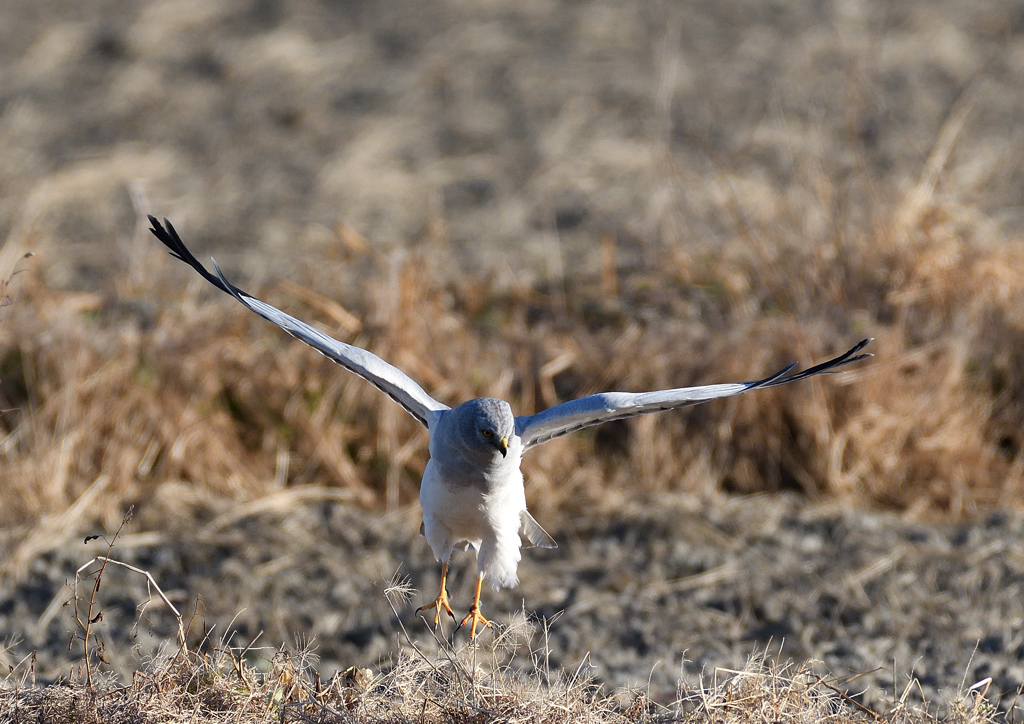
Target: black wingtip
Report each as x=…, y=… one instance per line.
x=155, y=229
x=169, y=237
x=827, y=367
x=771, y=379
x=225, y=284
x=171, y=231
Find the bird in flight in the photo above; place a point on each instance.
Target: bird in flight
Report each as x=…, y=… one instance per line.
x=472, y=490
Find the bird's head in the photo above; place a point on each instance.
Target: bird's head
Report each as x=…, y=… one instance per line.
x=486, y=426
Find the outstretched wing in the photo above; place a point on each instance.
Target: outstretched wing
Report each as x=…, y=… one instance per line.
x=388, y=379
x=607, y=406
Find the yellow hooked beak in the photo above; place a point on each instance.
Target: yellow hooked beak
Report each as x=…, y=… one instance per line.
x=503, y=447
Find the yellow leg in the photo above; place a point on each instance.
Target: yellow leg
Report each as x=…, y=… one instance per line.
x=474, y=612
x=441, y=601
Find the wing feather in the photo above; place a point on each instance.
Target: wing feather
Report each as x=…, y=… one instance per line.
x=607, y=406
x=537, y=536
x=388, y=379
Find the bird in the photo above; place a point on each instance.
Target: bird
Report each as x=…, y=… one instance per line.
x=472, y=492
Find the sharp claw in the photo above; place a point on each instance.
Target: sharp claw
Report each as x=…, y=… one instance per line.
x=474, y=611
x=440, y=602
x=476, y=618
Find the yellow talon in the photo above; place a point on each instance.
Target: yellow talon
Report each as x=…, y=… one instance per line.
x=476, y=618
x=441, y=601
x=474, y=614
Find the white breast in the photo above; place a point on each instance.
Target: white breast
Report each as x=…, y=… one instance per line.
x=454, y=512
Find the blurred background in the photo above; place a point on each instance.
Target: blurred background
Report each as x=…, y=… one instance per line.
x=535, y=201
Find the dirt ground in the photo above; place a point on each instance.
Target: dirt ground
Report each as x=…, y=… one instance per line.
x=268, y=129
x=670, y=586
x=259, y=124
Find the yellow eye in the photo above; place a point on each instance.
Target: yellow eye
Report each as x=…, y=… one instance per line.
x=487, y=433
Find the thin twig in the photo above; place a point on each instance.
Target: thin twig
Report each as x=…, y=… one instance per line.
x=90, y=619
x=845, y=697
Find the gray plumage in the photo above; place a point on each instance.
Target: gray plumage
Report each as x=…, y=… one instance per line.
x=472, y=490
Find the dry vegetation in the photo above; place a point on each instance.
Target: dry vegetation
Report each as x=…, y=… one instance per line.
x=456, y=687
x=109, y=398
x=786, y=242
x=508, y=680
x=206, y=395
x=538, y=204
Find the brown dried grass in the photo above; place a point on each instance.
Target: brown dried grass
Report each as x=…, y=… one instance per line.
x=107, y=397
x=507, y=681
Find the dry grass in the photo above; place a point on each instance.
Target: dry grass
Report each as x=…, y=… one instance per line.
x=108, y=397
x=507, y=680
x=456, y=686
x=718, y=247
x=504, y=677
x=111, y=398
